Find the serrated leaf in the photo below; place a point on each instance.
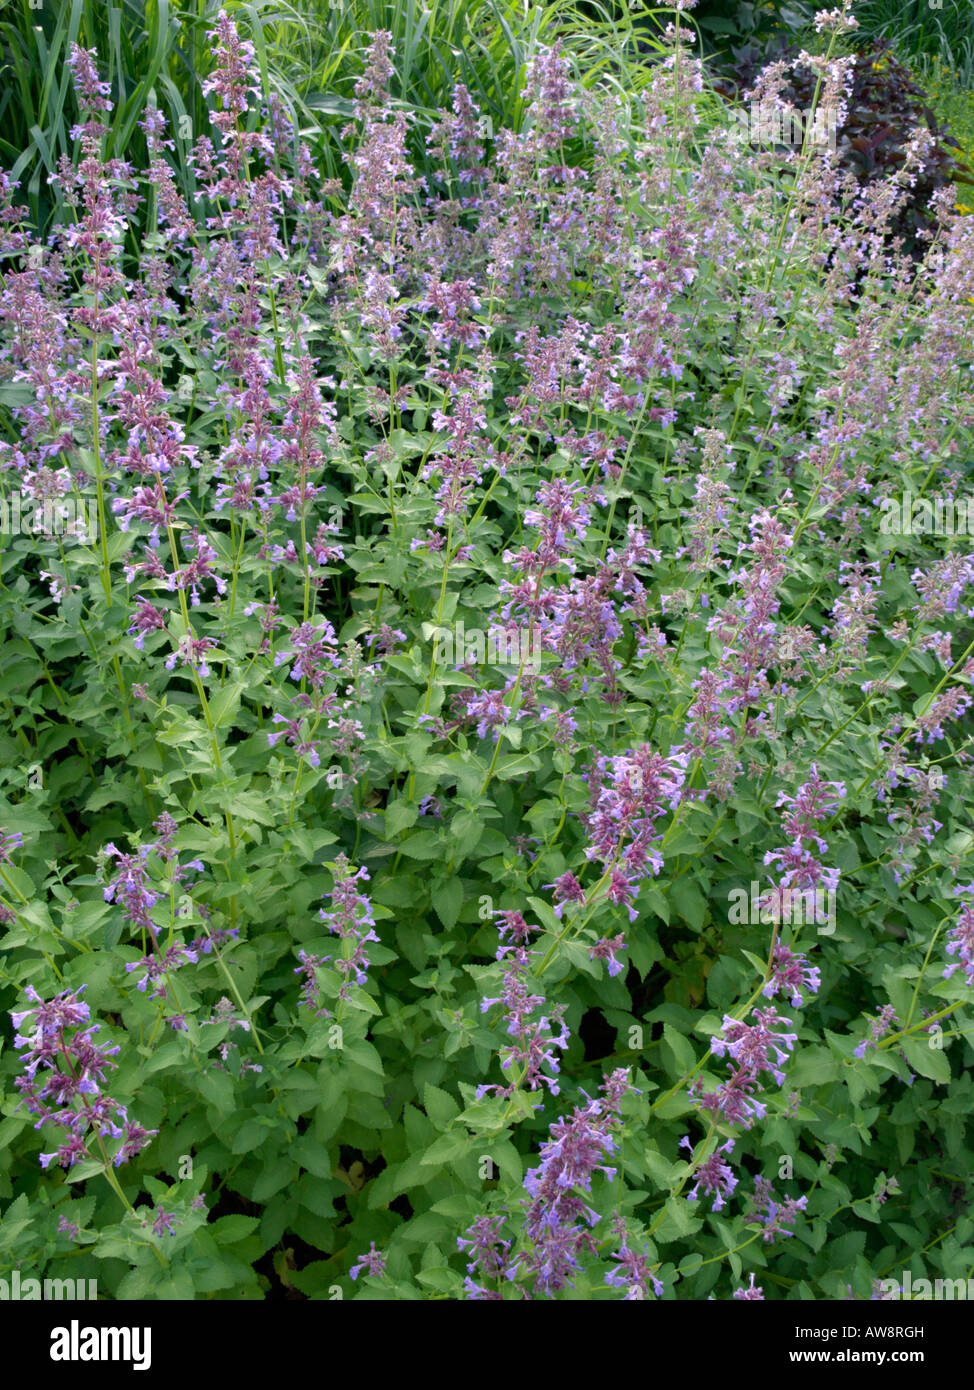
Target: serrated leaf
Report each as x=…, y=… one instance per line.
x=928, y=1061
x=448, y=1147
x=400, y=815
x=447, y=896
x=439, y=1105
x=227, y=1230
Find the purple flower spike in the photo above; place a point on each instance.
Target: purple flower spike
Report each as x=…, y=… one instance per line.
x=373, y=1262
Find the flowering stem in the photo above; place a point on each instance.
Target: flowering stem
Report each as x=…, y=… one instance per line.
x=738, y=1014
x=104, y=567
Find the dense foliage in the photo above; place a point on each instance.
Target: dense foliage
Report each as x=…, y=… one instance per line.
x=884, y=108
x=486, y=672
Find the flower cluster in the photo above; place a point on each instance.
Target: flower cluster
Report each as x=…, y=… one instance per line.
x=790, y=974
x=351, y=919
x=802, y=870
x=961, y=934
x=556, y=1231
x=774, y=1217
x=633, y=1273
x=594, y=384
x=73, y=1069
x=627, y=795
x=535, y=1038
x=132, y=885
x=491, y=1255
x=878, y=1028
x=714, y=1175
x=747, y=626
x=311, y=997
x=9, y=840
x=752, y=1048
x=225, y=1013
x=163, y=1223
x=372, y=1262
x=558, y=1223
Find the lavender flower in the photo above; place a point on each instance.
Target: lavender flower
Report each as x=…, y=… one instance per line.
x=310, y=989
x=790, y=974
x=490, y=1255
x=567, y=889
x=961, y=934
x=158, y=965
x=313, y=650
x=72, y=1069
x=628, y=793
x=634, y=1274
x=351, y=919
x=9, y=840
x=373, y=1262
x=801, y=867
x=878, y=1028
x=716, y=1176
x=553, y=1226
x=753, y=1048
x=131, y=885
x=534, y=1037
x=164, y=1223
x=775, y=1217
x=607, y=950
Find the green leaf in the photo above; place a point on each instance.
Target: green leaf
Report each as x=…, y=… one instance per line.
x=663, y=1173
x=447, y=900
x=448, y=1147
x=225, y=703
x=87, y=1168
x=508, y=1160
x=10, y=1128
x=928, y=1061
x=400, y=815
x=813, y=1066
x=759, y=964
x=312, y=1156
x=467, y=827
x=545, y=913
x=21, y=883
x=423, y=844
x=359, y=999
x=678, y=1221
x=689, y=902
x=217, y=1088
x=227, y=1230
x=439, y=1106
x=272, y=1179
x=442, y=1278
x=684, y=1059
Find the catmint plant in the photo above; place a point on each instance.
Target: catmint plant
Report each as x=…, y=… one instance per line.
x=451, y=650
